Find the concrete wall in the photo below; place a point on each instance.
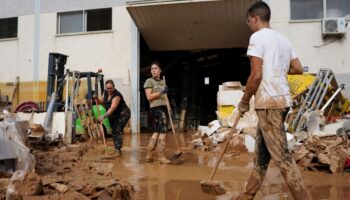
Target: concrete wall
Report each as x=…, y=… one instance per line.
x=306, y=36
x=109, y=50
x=14, y=8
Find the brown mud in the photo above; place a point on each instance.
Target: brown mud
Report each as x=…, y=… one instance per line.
x=88, y=170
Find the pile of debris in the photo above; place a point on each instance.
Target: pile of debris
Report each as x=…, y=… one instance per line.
x=319, y=119
x=67, y=173
x=324, y=153
x=209, y=138
x=319, y=111
x=55, y=172
x=29, y=185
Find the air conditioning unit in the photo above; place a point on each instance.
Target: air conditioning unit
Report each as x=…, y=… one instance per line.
x=333, y=26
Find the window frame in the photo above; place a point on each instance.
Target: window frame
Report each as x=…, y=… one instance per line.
x=11, y=38
x=84, y=21
x=59, y=22
x=324, y=4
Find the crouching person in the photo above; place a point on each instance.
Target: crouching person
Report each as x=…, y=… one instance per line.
x=117, y=112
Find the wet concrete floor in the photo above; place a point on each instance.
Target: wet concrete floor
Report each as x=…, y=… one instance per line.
x=180, y=180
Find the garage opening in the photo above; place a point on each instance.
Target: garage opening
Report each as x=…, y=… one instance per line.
x=193, y=78
x=200, y=45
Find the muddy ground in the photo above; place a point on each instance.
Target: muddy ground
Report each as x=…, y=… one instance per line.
x=88, y=169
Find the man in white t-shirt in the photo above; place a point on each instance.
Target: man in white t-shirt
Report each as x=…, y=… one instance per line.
x=271, y=59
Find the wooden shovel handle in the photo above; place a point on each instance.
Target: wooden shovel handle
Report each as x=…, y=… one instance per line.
x=100, y=124
x=233, y=130
x=170, y=118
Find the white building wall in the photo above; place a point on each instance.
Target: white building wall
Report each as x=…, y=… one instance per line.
x=306, y=36
x=109, y=50
x=14, y=8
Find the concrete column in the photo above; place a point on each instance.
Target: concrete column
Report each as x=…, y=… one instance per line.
x=134, y=76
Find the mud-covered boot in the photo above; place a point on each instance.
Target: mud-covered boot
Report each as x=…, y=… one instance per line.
x=152, y=144
x=161, y=146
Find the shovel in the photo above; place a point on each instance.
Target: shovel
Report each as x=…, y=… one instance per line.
x=100, y=127
x=213, y=187
x=178, y=152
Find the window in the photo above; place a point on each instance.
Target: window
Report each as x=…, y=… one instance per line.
x=311, y=9
x=8, y=28
x=314, y=9
x=85, y=21
x=71, y=22
x=99, y=20
x=338, y=8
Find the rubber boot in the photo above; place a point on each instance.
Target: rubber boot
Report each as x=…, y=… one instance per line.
x=118, y=152
x=152, y=144
x=161, y=146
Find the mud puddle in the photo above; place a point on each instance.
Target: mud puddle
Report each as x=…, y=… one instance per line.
x=87, y=169
x=180, y=180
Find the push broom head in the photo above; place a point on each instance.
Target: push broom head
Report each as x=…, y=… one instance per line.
x=212, y=187
x=176, y=155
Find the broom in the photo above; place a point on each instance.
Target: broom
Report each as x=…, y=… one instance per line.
x=178, y=152
x=213, y=187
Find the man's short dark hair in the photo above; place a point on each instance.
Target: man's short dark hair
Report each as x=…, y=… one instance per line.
x=260, y=9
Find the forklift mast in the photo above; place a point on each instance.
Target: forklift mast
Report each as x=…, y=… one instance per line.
x=55, y=78
x=98, y=81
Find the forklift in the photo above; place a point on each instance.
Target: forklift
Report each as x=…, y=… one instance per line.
x=59, y=80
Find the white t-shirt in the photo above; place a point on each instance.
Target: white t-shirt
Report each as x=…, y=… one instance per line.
x=276, y=52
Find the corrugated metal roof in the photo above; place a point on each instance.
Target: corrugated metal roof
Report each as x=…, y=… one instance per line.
x=189, y=25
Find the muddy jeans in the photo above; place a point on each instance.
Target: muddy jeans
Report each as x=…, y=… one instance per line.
x=118, y=124
x=159, y=119
x=271, y=142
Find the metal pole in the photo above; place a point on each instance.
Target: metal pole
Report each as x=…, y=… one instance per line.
x=321, y=89
x=341, y=87
x=36, y=46
x=306, y=102
x=324, y=8
x=324, y=91
x=317, y=89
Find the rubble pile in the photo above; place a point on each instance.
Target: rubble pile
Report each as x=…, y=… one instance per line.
x=54, y=172
x=319, y=121
x=242, y=141
x=65, y=173
x=23, y=184
x=209, y=138
x=324, y=153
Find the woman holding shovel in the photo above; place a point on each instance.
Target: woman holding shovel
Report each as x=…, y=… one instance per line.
x=117, y=112
x=155, y=89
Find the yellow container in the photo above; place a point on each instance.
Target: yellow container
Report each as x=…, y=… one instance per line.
x=299, y=83
x=225, y=111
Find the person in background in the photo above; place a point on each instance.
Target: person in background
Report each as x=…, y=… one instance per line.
x=117, y=112
x=155, y=90
x=271, y=59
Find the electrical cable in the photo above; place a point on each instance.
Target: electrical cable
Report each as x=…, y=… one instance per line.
x=327, y=43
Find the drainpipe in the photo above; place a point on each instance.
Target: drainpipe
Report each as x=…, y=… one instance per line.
x=36, y=46
x=324, y=8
